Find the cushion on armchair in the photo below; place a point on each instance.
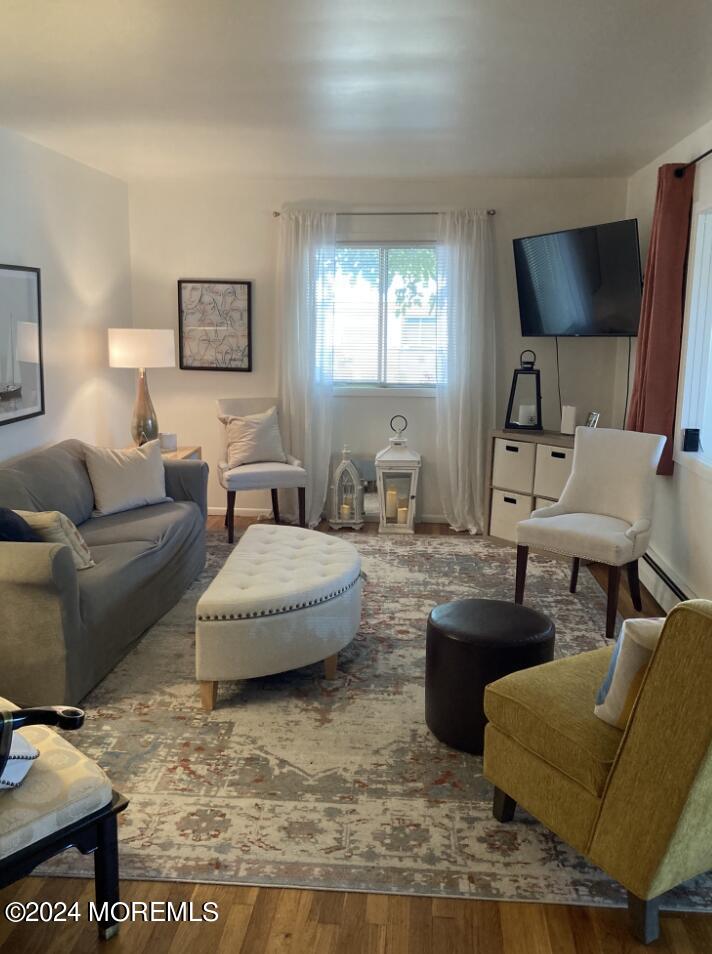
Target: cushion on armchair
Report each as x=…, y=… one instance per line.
x=63, y=787
x=254, y=439
x=548, y=710
x=629, y=663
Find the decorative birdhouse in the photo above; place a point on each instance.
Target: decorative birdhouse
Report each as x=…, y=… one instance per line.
x=397, y=470
x=346, y=495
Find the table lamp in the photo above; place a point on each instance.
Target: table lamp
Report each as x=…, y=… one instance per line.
x=142, y=348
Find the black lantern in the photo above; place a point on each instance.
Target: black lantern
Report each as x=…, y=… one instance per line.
x=524, y=408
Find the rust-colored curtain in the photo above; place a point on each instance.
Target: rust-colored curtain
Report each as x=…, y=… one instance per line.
x=654, y=398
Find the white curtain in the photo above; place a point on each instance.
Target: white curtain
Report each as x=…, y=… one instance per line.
x=465, y=390
x=305, y=305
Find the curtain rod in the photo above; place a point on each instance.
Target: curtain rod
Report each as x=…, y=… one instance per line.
x=681, y=171
x=276, y=215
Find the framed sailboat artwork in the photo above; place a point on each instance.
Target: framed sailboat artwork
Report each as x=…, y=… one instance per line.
x=21, y=373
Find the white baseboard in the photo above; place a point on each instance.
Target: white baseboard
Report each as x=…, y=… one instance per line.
x=242, y=511
x=657, y=585
x=267, y=512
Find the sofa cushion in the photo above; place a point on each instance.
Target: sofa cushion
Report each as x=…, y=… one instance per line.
x=63, y=787
x=140, y=557
x=13, y=529
x=549, y=711
x=126, y=479
x=54, y=478
x=54, y=527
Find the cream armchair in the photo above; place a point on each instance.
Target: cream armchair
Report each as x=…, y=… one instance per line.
x=604, y=514
x=266, y=475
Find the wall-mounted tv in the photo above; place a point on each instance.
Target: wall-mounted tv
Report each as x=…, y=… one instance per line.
x=581, y=282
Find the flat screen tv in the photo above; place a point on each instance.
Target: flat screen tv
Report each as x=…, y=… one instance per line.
x=581, y=282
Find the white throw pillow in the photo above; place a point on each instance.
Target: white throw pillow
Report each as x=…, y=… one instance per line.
x=629, y=663
x=19, y=763
x=126, y=479
x=254, y=439
x=54, y=527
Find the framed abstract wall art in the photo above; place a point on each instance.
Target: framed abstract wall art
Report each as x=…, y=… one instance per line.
x=21, y=372
x=214, y=325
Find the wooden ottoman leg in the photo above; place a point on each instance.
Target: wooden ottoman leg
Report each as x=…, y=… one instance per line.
x=208, y=694
x=106, y=874
x=330, y=666
x=503, y=806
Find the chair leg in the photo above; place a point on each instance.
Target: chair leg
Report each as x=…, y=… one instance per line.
x=522, y=558
x=230, y=516
x=634, y=584
x=644, y=918
x=614, y=580
x=574, y=574
x=302, y=494
x=275, y=505
x=503, y=806
x=106, y=875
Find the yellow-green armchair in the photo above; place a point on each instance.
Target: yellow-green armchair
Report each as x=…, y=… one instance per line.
x=637, y=802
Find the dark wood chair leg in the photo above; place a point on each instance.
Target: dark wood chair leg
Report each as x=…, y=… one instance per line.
x=634, y=584
x=644, y=918
x=503, y=806
x=302, y=494
x=106, y=875
x=275, y=505
x=522, y=558
x=574, y=574
x=230, y=516
x=614, y=581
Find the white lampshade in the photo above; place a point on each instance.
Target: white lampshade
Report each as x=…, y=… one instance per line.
x=28, y=342
x=141, y=348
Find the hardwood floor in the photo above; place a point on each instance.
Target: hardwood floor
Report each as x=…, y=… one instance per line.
x=292, y=921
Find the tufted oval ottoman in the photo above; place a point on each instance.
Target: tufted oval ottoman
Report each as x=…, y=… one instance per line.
x=285, y=598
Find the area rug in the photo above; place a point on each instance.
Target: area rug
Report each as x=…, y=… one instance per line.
x=295, y=781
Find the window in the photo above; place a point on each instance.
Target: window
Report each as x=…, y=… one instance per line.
x=697, y=399
x=384, y=315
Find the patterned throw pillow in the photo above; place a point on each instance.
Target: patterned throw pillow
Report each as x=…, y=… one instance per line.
x=53, y=527
x=629, y=663
x=254, y=439
x=19, y=762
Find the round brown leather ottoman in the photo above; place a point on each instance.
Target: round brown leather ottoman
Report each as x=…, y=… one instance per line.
x=470, y=643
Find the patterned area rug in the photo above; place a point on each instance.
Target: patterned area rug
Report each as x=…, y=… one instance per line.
x=295, y=781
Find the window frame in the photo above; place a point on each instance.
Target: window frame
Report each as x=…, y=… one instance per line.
x=694, y=377
x=382, y=388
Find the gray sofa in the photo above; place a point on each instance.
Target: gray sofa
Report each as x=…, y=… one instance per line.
x=63, y=630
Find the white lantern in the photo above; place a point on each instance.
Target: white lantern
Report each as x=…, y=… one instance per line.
x=346, y=495
x=397, y=470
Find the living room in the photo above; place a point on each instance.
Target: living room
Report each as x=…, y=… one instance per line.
x=287, y=723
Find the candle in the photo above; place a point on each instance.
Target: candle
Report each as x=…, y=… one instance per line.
x=345, y=511
x=402, y=515
x=527, y=414
x=391, y=504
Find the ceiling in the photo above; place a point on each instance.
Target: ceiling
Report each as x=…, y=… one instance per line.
x=144, y=88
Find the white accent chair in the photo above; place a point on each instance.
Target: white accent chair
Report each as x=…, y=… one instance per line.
x=271, y=476
x=604, y=513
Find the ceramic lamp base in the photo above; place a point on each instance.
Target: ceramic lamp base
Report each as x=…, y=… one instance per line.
x=144, y=423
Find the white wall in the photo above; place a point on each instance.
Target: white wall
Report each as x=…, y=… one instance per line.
x=71, y=222
x=223, y=228
x=682, y=531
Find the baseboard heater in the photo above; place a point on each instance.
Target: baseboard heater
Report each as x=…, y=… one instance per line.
x=671, y=584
